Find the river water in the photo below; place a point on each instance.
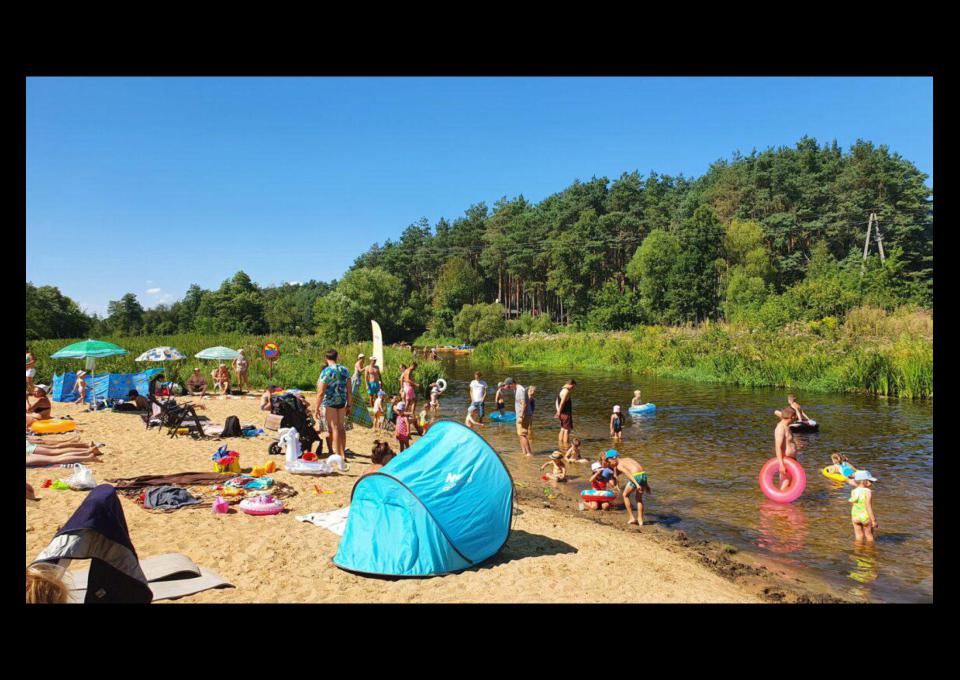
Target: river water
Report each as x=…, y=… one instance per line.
x=703, y=449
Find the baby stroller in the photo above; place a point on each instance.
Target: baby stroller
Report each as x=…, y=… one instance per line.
x=295, y=415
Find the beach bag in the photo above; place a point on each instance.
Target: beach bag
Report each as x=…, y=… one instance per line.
x=273, y=422
x=82, y=478
x=231, y=428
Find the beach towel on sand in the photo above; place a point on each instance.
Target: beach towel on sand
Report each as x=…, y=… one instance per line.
x=167, y=497
x=169, y=576
x=334, y=521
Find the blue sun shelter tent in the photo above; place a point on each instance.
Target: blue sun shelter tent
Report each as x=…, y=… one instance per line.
x=443, y=505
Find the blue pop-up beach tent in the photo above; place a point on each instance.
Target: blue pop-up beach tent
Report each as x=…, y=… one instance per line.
x=443, y=505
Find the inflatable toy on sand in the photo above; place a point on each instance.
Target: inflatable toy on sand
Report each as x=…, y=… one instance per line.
x=53, y=426
x=264, y=504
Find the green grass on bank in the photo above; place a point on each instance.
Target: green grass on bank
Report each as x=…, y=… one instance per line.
x=872, y=351
x=301, y=359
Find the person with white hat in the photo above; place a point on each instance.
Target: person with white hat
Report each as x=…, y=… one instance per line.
x=241, y=367
x=402, y=431
x=616, y=424
x=864, y=520
x=81, y=387
x=40, y=409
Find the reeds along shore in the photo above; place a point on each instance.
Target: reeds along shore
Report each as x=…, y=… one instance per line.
x=300, y=363
x=872, y=351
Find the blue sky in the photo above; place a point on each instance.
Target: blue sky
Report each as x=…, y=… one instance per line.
x=147, y=185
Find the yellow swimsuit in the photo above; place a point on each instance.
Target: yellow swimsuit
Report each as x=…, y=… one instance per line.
x=859, y=510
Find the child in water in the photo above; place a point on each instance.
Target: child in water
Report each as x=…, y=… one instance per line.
x=864, y=521
x=470, y=421
x=616, y=424
x=636, y=401
x=573, y=453
x=498, y=398
x=841, y=466
x=636, y=482
x=424, y=422
x=559, y=472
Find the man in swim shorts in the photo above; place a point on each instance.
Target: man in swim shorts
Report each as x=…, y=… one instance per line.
x=784, y=444
x=407, y=387
x=565, y=414
x=521, y=403
x=636, y=482
x=372, y=374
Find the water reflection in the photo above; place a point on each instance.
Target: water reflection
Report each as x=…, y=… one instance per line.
x=865, y=568
x=783, y=527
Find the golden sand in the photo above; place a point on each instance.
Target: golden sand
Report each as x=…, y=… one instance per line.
x=550, y=556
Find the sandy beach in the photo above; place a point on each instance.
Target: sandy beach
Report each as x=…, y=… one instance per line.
x=552, y=556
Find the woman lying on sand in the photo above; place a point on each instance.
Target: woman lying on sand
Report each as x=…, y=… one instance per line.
x=41, y=455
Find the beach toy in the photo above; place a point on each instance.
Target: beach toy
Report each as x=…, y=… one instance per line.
x=795, y=473
x=805, y=426
x=302, y=467
x=232, y=491
x=46, y=484
x=441, y=385
x=270, y=467
x=309, y=457
x=598, y=496
x=835, y=476
x=642, y=408
x=264, y=504
x=183, y=430
x=258, y=471
x=60, y=485
x=507, y=417
x=220, y=505
x=53, y=426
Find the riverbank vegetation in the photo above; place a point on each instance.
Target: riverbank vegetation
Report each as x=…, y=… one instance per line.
x=872, y=351
x=300, y=363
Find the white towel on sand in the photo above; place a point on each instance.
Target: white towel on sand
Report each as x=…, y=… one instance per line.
x=335, y=521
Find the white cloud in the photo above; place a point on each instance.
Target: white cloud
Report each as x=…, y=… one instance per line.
x=154, y=292
x=294, y=283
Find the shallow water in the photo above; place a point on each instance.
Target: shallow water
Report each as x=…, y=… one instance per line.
x=704, y=447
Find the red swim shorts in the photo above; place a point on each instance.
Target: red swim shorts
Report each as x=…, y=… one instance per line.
x=566, y=421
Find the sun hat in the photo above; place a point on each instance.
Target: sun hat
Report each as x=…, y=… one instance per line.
x=196, y=369
x=45, y=388
x=473, y=409
x=400, y=406
x=381, y=393
x=863, y=476
x=556, y=455
x=595, y=466
x=611, y=453
x=80, y=374
x=361, y=355
x=616, y=409
x=508, y=381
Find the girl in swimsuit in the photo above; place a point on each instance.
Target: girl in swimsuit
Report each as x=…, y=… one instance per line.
x=616, y=424
x=861, y=513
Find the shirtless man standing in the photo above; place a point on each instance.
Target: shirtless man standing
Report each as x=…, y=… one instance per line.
x=784, y=444
x=636, y=482
x=372, y=373
x=408, y=388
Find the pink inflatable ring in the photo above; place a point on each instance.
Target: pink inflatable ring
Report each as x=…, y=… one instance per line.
x=795, y=473
x=261, y=505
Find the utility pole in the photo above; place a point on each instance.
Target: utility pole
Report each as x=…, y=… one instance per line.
x=873, y=224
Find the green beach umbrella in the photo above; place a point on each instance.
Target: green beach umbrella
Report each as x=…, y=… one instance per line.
x=218, y=353
x=91, y=350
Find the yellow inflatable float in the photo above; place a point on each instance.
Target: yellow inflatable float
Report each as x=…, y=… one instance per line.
x=53, y=426
x=829, y=473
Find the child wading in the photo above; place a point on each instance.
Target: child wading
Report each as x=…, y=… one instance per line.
x=559, y=465
x=616, y=424
x=864, y=521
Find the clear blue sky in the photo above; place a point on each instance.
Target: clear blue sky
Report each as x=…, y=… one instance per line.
x=147, y=185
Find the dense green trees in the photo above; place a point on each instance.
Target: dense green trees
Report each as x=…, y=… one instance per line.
x=761, y=238
x=50, y=314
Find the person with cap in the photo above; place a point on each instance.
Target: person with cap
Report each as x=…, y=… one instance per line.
x=402, y=431
x=241, y=367
x=637, y=483
x=616, y=424
x=861, y=512
x=559, y=472
x=373, y=378
x=601, y=477
x=498, y=399
x=197, y=384
x=221, y=378
x=80, y=386
x=40, y=409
